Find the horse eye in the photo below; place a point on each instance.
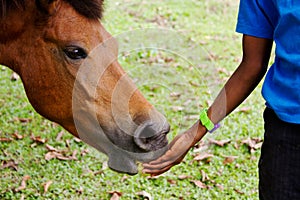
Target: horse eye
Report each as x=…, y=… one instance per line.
x=75, y=53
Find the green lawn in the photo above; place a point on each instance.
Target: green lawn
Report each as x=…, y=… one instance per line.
x=197, y=50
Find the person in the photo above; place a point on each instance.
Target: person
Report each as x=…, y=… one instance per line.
x=261, y=22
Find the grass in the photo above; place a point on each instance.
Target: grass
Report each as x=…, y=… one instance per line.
x=179, y=86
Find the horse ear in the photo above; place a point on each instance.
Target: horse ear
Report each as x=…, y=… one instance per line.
x=49, y=6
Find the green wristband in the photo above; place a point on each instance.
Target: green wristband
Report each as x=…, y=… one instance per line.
x=205, y=121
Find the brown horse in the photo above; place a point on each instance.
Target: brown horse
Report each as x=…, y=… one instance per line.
x=68, y=65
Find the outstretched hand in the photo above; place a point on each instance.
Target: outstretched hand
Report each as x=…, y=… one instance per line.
x=177, y=150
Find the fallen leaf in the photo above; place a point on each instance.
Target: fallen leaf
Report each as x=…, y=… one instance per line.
x=115, y=195
x=199, y=184
x=104, y=165
x=84, y=152
x=177, y=108
x=194, y=84
x=2, y=139
x=204, y=176
x=10, y=164
x=80, y=190
x=182, y=177
x=124, y=178
x=220, y=143
x=203, y=156
x=172, y=182
x=46, y=186
x=244, y=110
x=253, y=143
x=17, y=136
x=145, y=194
x=38, y=139
x=229, y=159
x=77, y=140
x=239, y=191
x=98, y=172
x=23, y=183
x=24, y=120
x=51, y=148
x=191, y=117
x=221, y=187
x=175, y=95
x=14, y=76
x=68, y=144
x=59, y=136
x=53, y=154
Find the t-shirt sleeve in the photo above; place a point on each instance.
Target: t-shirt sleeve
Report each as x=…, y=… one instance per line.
x=253, y=19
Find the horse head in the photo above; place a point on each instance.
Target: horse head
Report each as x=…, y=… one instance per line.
x=68, y=65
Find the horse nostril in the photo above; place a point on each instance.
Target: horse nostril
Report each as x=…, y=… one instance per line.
x=149, y=139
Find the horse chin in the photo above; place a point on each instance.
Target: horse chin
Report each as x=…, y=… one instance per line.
x=127, y=162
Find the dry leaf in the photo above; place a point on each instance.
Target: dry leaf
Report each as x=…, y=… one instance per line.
x=98, y=172
x=203, y=156
x=77, y=140
x=10, y=164
x=145, y=194
x=22, y=197
x=23, y=184
x=104, y=165
x=239, y=191
x=175, y=95
x=80, y=190
x=182, y=177
x=84, y=152
x=46, y=186
x=194, y=84
x=199, y=184
x=59, y=136
x=53, y=154
x=221, y=187
x=38, y=139
x=124, y=178
x=229, y=159
x=244, y=110
x=24, y=120
x=115, y=195
x=177, y=108
x=253, y=143
x=51, y=148
x=14, y=76
x=220, y=143
x=17, y=136
x=68, y=144
x=204, y=176
x=172, y=182
x=5, y=139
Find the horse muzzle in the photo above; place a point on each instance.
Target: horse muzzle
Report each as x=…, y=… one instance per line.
x=150, y=137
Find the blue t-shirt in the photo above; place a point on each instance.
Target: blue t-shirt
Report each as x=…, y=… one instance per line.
x=280, y=21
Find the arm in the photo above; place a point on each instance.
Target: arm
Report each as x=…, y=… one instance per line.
x=256, y=55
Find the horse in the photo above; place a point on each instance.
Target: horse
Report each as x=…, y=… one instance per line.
x=68, y=65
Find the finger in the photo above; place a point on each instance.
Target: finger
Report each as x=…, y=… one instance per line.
x=161, y=166
x=168, y=158
x=158, y=166
x=156, y=172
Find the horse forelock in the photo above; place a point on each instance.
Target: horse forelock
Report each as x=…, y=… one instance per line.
x=7, y=5
x=89, y=8
x=92, y=9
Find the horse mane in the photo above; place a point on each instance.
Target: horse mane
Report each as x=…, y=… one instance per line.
x=92, y=9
